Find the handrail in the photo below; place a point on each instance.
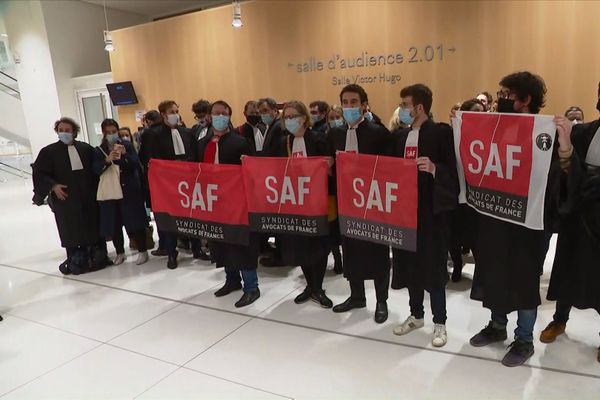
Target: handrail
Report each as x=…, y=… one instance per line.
x=15, y=93
x=8, y=76
x=15, y=168
x=12, y=173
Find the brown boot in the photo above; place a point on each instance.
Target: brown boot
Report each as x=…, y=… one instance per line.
x=552, y=331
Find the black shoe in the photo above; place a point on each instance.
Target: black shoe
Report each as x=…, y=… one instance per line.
x=270, y=262
x=1, y=319
x=337, y=263
x=172, y=263
x=228, y=288
x=64, y=268
x=247, y=299
x=183, y=244
x=381, y=312
x=349, y=304
x=303, y=297
x=488, y=335
x=456, y=275
x=519, y=352
x=159, y=252
x=201, y=255
x=321, y=299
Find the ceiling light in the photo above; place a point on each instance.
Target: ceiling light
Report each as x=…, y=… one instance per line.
x=237, y=15
x=108, y=43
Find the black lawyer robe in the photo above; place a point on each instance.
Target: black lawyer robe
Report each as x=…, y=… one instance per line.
x=363, y=260
x=510, y=257
x=162, y=144
x=437, y=198
x=300, y=249
x=575, y=276
x=231, y=148
x=247, y=132
x=77, y=216
x=273, y=135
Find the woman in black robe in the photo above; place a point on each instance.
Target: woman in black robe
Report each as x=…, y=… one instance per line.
x=223, y=146
x=130, y=210
x=308, y=252
x=362, y=260
x=575, y=280
x=63, y=172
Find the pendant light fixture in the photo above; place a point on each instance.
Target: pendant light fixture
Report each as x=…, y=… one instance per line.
x=108, y=43
x=237, y=15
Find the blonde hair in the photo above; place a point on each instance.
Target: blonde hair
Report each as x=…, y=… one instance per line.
x=394, y=123
x=302, y=110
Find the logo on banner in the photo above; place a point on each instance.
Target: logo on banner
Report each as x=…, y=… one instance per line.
x=410, y=152
x=544, y=142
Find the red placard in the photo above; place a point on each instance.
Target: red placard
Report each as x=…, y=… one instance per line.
x=287, y=195
x=377, y=199
x=199, y=200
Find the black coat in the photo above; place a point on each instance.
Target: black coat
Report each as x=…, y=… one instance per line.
x=437, y=197
x=77, y=216
x=247, y=132
x=510, y=257
x=363, y=260
x=321, y=126
x=131, y=207
x=162, y=144
x=272, y=137
x=231, y=148
x=575, y=276
x=300, y=249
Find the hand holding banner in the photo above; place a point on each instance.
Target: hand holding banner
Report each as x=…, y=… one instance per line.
x=287, y=195
x=503, y=162
x=377, y=199
x=199, y=200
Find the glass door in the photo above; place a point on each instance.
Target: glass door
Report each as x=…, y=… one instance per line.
x=94, y=107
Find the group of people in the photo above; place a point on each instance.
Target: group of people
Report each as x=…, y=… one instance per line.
x=508, y=257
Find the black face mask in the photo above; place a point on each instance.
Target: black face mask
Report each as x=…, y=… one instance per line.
x=253, y=119
x=506, y=106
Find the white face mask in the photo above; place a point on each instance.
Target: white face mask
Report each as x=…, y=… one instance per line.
x=173, y=119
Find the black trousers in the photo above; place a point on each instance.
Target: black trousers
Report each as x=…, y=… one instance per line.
x=314, y=275
x=119, y=240
x=382, y=285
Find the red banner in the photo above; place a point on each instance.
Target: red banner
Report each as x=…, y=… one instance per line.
x=287, y=195
x=503, y=162
x=199, y=200
x=377, y=199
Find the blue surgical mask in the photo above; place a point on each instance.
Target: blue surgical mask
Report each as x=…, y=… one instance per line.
x=369, y=116
x=220, y=122
x=405, y=116
x=352, y=115
x=65, y=137
x=112, y=138
x=336, y=123
x=267, y=119
x=315, y=118
x=292, y=125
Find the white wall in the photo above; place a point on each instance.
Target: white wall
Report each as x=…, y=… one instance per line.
x=27, y=34
x=74, y=31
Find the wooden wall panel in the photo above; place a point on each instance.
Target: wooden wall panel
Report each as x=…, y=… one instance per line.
x=201, y=56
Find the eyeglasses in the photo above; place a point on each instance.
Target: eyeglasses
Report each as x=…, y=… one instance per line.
x=504, y=94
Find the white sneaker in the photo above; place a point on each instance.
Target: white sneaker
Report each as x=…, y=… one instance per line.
x=440, y=337
x=142, y=258
x=409, y=325
x=120, y=259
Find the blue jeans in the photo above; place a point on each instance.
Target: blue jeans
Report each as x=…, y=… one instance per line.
x=249, y=276
x=437, y=298
x=525, y=322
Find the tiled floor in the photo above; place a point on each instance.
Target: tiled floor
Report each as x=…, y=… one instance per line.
x=150, y=333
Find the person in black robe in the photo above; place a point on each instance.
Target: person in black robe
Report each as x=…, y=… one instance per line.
x=171, y=141
x=318, y=115
x=269, y=115
x=253, y=130
x=510, y=256
x=128, y=211
x=431, y=145
x=308, y=252
x=63, y=173
x=575, y=279
x=201, y=116
x=362, y=260
x=223, y=146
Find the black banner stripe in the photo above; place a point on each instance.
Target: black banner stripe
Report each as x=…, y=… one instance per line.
x=289, y=223
x=227, y=233
x=377, y=232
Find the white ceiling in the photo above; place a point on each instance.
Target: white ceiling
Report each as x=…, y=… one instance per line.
x=159, y=8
